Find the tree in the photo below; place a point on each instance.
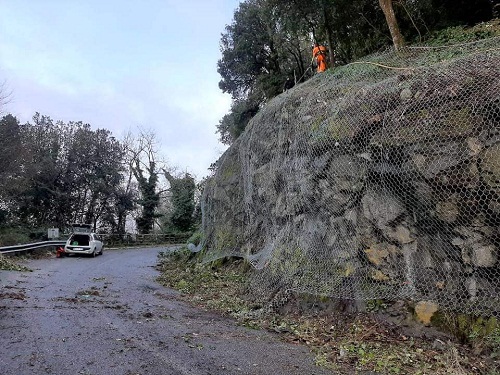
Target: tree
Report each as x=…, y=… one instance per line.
x=10, y=146
x=390, y=16
x=182, y=198
x=94, y=170
x=10, y=155
x=59, y=173
x=249, y=53
x=327, y=9
x=122, y=204
x=142, y=156
x=259, y=55
x=4, y=96
x=38, y=188
x=297, y=20
x=459, y=12
x=269, y=42
x=234, y=123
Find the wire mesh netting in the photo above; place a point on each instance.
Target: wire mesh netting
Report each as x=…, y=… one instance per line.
x=378, y=180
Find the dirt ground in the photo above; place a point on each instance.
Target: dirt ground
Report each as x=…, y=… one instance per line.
x=348, y=337
x=108, y=315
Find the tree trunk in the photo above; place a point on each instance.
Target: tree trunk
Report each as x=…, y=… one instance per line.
x=392, y=22
x=329, y=34
x=331, y=55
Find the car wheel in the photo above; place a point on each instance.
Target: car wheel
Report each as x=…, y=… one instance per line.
x=94, y=254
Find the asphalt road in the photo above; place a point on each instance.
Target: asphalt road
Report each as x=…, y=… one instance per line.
x=107, y=315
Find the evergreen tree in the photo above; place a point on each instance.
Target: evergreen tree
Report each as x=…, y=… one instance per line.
x=182, y=198
x=268, y=44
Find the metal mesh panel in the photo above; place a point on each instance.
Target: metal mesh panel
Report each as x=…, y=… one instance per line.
x=379, y=180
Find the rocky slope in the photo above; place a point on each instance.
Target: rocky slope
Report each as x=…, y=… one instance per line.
x=380, y=179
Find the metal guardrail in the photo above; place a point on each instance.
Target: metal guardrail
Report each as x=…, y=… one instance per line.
x=29, y=246
x=110, y=240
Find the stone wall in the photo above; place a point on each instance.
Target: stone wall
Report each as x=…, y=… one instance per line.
x=362, y=186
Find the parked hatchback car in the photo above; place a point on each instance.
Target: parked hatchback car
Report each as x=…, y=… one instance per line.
x=83, y=241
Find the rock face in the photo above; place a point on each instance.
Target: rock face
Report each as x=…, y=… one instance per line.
x=367, y=186
x=425, y=311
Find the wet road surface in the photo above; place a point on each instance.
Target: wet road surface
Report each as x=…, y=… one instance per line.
x=107, y=315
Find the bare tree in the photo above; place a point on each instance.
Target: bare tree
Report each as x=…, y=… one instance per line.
x=145, y=168
x=5, y=96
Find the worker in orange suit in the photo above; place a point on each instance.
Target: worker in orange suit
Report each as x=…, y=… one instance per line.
x=319, y=53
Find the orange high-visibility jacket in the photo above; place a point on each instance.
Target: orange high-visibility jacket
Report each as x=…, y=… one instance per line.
x=319, y=53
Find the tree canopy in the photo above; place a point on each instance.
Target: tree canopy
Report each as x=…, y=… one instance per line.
x=56, y=173
x=267, y=47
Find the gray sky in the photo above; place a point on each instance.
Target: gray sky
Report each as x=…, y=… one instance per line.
x=121, y=65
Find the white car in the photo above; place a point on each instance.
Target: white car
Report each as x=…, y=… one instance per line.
x=83, y=241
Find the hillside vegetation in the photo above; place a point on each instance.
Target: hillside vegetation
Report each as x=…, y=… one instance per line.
x=268, y=46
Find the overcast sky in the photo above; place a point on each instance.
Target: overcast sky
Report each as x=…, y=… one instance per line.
x=120, y=65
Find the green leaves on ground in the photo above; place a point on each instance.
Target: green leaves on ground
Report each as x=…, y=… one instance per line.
x=8, y=264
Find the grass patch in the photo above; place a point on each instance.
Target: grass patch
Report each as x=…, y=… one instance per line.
x=463, y=34
x=212, y=285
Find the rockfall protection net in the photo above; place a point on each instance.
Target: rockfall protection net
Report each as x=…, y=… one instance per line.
x=380, y=179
